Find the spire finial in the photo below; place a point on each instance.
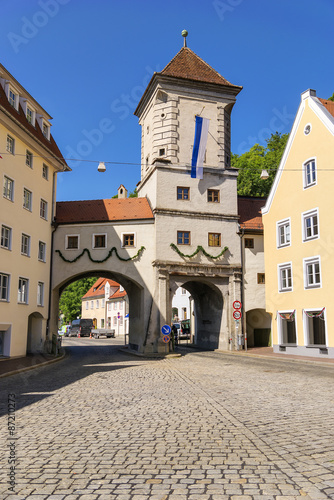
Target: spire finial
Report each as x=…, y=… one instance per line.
x=184, y=34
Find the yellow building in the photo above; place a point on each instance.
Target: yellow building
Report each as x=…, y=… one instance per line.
x=107, y=304
x=298, y=235
x=29, y=162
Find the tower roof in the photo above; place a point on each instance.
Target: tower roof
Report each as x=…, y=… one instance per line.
x=188, y=69
x=187, y=64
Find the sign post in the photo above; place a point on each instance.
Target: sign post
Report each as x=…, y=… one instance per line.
x=237, y=317
x=165, y=330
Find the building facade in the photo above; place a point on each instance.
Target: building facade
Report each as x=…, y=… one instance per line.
x=299, y=258
x=256, y=321
x=180, y=231
x=30, y=160
x=106, y=303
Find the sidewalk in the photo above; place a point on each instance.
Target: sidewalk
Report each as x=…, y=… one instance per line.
x=18, y=365
x=267, y=352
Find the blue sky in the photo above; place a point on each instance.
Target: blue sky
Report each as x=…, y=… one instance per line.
x=87, y=62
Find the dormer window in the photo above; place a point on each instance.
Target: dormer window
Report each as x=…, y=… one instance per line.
x=12, y=98
x=45, y=130
x=12, y=95
x=30, y=116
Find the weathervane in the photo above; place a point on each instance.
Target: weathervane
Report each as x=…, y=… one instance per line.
x=184, y=34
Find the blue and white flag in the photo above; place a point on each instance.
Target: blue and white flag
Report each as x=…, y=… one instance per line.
x=201, y=137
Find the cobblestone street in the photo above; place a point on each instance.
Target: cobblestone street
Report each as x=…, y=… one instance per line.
x=102, y=424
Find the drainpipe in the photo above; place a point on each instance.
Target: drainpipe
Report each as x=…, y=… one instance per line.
x=241, y=233
x=54, y=226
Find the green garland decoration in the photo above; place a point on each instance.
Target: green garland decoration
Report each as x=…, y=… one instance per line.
x=198, y=249
x=86, y=250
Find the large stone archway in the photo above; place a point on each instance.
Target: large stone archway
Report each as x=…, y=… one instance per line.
x=137, y=295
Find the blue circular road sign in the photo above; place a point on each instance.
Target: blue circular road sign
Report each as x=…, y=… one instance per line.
x=166, y=329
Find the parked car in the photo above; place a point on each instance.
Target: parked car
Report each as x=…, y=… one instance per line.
x=82, y=326
x=185, y=329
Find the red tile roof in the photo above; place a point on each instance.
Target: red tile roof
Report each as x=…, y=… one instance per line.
x=98, y=289
x=34, y=130
x=187, y=64
x=249, y=210
x=68, y=212
x=329, y=105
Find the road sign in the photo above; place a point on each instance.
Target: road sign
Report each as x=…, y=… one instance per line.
x=118, y=315
x=237, y=314
x=166, y=338
x=237, y=304
x=166, y=329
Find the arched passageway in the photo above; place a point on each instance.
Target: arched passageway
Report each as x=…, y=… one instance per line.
x=35, y=333
x=258, y=327
x=135, y=293
x=208, y=308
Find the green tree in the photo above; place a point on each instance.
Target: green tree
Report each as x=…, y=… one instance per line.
x=70, y=300
x=331, y=98
x=258, y=158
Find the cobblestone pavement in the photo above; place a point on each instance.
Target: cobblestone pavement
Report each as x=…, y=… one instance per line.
x=102, y=424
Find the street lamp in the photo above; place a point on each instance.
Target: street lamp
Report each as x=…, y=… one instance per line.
x=101, y=167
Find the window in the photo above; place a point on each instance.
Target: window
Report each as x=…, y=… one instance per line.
x=121, y=306
x=12, y=98
x=109, y=306
x=27, y=199
x=128, y=240
x=261, y=278
x=41, y=251
x=183, y=237
x=46, y=131
x=285, y=277
x=99, y=240
x=115, y=306
x=213, y=195
x=310, y=173
x=183, y=291
x=92, y=304
x=214, y=240
x=45, y=172
x=4, y=287
x=182, y=193
x=43, y=209
x=72, y=242
x=97, y=304
x=25, y=245
x=8, y=188
x=22, y=295
x=249, y=243
x=40, y=293
x=283, y=233
x=103, y=303
x=87, y=305
x=6, y=237
x=162, y=152
x=120, y=321
x=29, y=159
x=30, y=115
x=312, y=277
x=315, y=327
x=102, y=323
x=286, y=325
x=310, y=225
x=115, y=320
x=10, y=144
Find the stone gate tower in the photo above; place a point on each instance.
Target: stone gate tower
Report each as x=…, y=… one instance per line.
x=196, y=241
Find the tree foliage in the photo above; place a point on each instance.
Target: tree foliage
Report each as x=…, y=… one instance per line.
x=70, y=300
x=331, y=98
x=258, y=158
